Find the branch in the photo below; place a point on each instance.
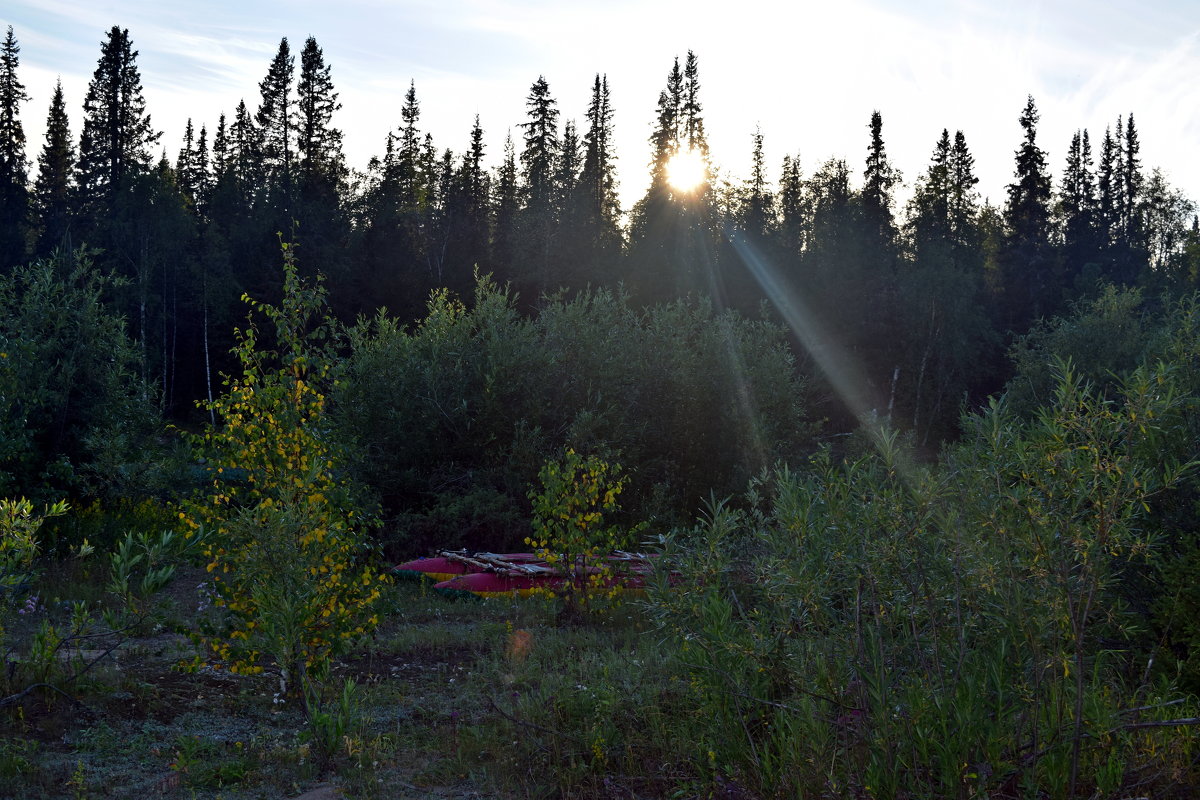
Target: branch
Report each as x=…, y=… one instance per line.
x=1164, y=723
x=793, y=709
x=534, y=725
x=13, y=699
x=1151, y=708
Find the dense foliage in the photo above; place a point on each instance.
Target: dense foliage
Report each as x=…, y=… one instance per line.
x=75, y=416
x=873, y=628
x=453, y=419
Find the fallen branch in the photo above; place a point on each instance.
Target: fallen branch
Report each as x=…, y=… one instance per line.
x=1162, y=723
x=1152, y=708
x=13, y=699
x=535, y=726
x=793, y=709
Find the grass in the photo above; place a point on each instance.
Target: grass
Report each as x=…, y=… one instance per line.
x=451, y=698
x=515, y=699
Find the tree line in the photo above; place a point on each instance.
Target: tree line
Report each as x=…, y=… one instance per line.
x=925, y=298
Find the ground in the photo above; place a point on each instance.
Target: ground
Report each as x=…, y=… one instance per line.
x=437, y=681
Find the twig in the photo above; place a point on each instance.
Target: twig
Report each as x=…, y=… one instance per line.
x=793, y=709
x=1164, y=723
x=534, y=725
x=95, y=661
x=1151, y=708
x=13, y=699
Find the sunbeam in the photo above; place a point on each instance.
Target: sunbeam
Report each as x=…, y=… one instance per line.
x=839, y=366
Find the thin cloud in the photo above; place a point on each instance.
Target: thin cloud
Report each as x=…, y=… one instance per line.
x=810, y=73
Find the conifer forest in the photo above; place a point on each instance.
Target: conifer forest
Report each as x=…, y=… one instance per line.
x=851, y=483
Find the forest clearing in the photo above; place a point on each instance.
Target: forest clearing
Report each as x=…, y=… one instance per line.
x=805, y=491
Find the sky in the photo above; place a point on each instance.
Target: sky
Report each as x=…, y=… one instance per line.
x=807, y=73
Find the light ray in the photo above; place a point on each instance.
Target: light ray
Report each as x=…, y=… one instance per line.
x=839, y=366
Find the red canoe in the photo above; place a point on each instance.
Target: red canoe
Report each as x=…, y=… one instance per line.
x=515, y=574
x=448, y=564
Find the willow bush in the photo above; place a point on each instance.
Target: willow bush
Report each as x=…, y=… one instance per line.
x=451, y=419
x=947, y=631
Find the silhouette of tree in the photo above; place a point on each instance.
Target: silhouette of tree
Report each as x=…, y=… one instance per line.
x=1027, y=263
x=14, y=165
x=117, y=135
x=274, y=119
x=52, y=190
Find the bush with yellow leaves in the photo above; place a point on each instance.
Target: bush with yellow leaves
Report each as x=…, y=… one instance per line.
x=569, y=524
x=286, y=541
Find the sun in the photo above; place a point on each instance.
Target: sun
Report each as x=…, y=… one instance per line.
x=686, y=170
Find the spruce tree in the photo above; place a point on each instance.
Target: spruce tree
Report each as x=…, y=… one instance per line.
x=831, y=275
x=539, y=191
x=245, y=161
x=201, y=184
x=566, y=173
x=868, y=278
x=185, y=162
x=14, y=165
x=428, y=172
x=879, y=179
x=929, y=210
x=400, y=212
x=240, y=234
x=319, y=144
x=52, y=191
x=274, y=120
x=675, y=234
x=441, y=225
x=650, y=212
x=467, y=205
x=1131, y=182
x=1130, y=257
x=1028, y=283
x=939, y=329
x=692, y=133
x=942, y=215
x=505, y=205
x=1108, y=191
x=117, y=135
x=220, y=149
x=964, y=199
x=600, y=209
x=758, y=203
x=323, y=226
x=665, y=138
x=1077, y=210
x=793, y=221
x=541, y=149
x=408, y=156
x=401, y=167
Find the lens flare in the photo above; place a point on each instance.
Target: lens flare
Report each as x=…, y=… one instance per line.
x=840, y=367
x=686, y=170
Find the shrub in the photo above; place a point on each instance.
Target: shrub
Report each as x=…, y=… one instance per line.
x=951, y=631
x=286, y=541
x=569, y=529
x=474, y=400
x=74, y=414
x=19, y=545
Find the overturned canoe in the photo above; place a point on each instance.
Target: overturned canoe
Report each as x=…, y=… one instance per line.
x=461, y=572
x=449, y=564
